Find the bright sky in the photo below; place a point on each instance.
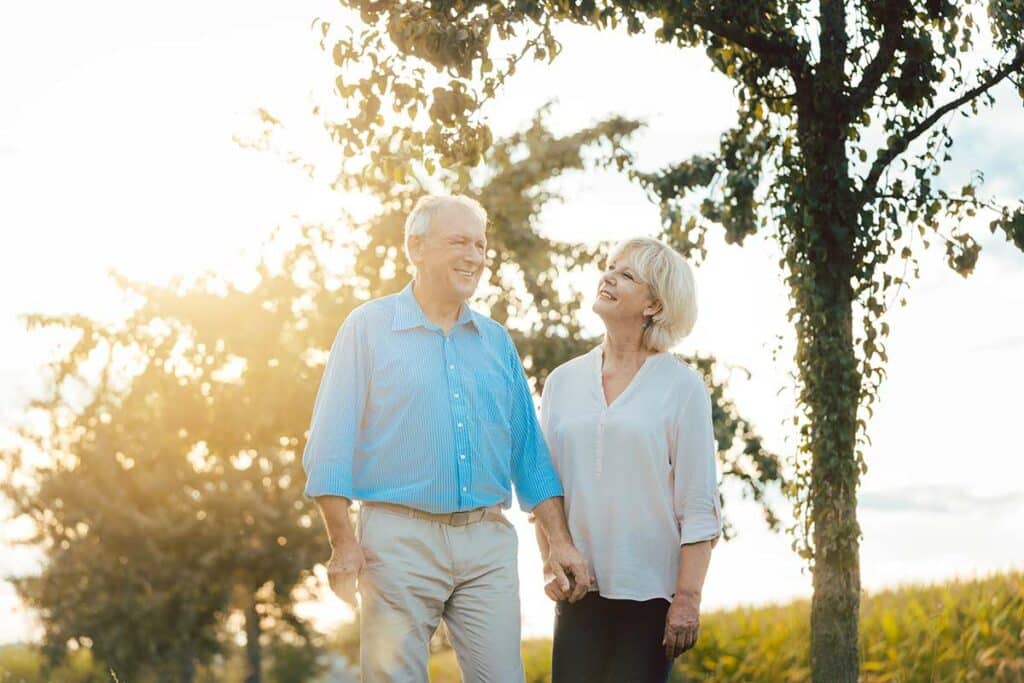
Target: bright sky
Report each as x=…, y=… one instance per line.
x=116, y=151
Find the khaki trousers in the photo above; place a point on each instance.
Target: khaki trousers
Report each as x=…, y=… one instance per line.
x=420, y=571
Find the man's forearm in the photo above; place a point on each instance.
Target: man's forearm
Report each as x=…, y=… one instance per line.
x=694, y=559
x=550, y=514
x=542, y=541
x=334, y=510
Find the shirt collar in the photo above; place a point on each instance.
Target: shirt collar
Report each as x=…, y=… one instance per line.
x=408, y=314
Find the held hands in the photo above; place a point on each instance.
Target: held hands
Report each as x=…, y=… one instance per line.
x=682, y=625
x=347, y=561
x=566, y=573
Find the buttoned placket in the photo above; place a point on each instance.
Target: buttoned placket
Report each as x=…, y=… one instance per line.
x=460, y=421
x=605, y=409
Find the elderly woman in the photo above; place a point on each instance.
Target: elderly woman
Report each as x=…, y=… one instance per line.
x=630, y=432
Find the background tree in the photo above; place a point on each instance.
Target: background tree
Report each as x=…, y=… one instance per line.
x=171, y=491
x=841, y=129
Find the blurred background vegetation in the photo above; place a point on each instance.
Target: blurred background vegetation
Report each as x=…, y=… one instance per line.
x=162, y=471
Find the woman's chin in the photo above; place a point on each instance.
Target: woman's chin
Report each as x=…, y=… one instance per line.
x=603, y=307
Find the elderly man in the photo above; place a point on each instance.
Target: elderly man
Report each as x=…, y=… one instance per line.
x=424, y=414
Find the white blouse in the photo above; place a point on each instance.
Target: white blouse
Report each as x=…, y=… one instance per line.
x=639, y=475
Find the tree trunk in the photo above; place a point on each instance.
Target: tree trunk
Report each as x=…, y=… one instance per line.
x=253, y=653
x=822, y=259
x=831, y=393
x=835, y=605
x=187, y=667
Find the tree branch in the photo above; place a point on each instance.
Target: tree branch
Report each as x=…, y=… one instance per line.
x=832, y=41
x=867, y=191
x=776, y=52
x=883, y=59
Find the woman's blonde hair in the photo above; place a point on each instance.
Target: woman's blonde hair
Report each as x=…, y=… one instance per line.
x=668, y=275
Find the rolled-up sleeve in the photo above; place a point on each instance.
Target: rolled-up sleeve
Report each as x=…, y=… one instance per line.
x=337, y=416
x=533, y=474
x=695, y=484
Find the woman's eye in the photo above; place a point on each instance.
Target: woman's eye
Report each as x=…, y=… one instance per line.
x=627, y=275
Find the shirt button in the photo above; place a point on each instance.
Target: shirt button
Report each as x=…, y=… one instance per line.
x=462, y=456
x=450, y=367
x=465, y=488
x=456, y=394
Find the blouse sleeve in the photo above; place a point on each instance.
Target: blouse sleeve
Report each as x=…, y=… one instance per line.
x=695, y=479
x=545, y=410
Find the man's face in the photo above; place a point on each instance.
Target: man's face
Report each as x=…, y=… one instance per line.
x=451, y=256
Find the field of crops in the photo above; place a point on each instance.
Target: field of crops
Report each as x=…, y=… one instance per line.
x=959, y=631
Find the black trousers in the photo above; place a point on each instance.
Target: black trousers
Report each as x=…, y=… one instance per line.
x=615, y=641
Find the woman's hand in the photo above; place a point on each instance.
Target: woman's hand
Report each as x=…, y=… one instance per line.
x=555, y=592
x=682, y=624
x=569, y=569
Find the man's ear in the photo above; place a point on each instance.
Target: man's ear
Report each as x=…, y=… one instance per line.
x=415, y=247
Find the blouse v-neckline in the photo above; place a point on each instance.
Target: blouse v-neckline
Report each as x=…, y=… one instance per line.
x=633, y=381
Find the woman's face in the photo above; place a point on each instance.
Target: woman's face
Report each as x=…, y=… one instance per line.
x=621, y=294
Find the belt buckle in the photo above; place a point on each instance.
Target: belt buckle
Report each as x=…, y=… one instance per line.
x=459, y=518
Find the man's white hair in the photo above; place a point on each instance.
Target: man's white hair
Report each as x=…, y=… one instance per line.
x=422, y=215
x=671, y=282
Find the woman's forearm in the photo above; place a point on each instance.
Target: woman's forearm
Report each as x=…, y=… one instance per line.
x=694, y=559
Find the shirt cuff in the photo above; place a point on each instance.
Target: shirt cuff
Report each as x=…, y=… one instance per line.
x=531, y=499
x=701, y=527
x=713, y=539
x=328, y=479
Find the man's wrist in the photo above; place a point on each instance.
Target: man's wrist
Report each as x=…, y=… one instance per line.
x=560, y=544
x=335, y=511
x=342, y=540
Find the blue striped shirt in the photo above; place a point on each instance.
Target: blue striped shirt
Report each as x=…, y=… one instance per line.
x=406, y=414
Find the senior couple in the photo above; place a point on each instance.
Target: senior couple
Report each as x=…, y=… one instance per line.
x=425, y=416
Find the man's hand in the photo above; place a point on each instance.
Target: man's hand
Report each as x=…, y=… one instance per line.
x=682, y=625
x=346, y=563
x=570, y=576
x=565, y=570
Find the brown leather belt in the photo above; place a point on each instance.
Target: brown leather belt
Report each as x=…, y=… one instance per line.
x=491, y=514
